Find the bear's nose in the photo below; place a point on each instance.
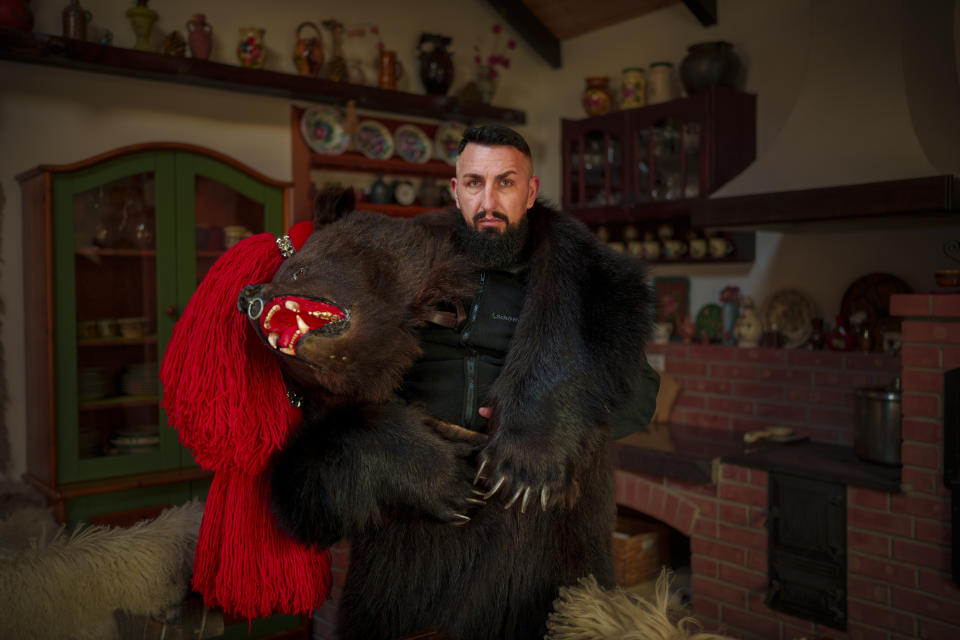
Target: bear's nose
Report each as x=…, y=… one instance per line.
x=249, y=301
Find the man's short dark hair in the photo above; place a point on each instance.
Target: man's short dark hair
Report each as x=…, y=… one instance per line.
x=492, y=135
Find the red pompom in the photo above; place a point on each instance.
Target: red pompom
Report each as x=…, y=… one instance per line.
x=299, y=233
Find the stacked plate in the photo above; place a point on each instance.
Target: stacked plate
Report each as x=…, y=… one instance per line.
x=141, y=439
x=93, y=383
x=140, y=379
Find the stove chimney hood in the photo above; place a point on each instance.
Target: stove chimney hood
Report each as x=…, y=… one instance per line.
x=874, y=131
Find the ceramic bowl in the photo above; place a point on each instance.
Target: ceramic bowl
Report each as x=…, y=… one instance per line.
x=133, y=327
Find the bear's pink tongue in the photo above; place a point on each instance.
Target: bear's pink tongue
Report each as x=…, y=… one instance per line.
x=290, y=317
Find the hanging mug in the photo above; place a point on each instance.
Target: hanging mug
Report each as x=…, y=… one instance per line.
x=390, y=70
x=308, y=52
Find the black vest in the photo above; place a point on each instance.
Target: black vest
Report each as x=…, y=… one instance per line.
x=458, y=365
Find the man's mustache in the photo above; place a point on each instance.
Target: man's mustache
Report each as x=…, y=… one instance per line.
x=480, y=215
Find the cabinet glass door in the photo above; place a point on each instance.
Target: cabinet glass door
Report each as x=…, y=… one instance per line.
x=106, y=274
x=667, y=165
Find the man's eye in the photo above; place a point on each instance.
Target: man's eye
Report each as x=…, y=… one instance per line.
x=506, y=182
x=473, y=183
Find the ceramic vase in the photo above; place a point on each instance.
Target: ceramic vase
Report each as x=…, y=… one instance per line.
x=251, y=50
x=709, y=64
x=142, y=18
x=748, y=328
x=633, y=88
x=200, y=36
x=16, y=14
x=596, y=98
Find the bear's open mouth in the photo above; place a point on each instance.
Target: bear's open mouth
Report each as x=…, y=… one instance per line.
x=289, y=318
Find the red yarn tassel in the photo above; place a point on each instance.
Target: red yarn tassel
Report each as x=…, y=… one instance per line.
x=224, y=393
x=246, y=565
x=222, y=388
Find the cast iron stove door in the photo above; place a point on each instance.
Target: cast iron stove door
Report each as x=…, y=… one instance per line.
x=807, y=528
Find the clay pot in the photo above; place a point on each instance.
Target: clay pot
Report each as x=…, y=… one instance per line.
x=75, y=21
x=201, y=36
x=708, y=65
x=597, y=98
x=436, y=65
x=16, y=14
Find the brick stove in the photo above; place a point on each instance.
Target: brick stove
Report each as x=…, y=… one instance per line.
x=898, y=556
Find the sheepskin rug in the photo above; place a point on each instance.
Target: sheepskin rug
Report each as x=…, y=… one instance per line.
x=67, y=585
x=588, y=612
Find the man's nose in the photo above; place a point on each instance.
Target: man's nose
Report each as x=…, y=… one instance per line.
x=489, y=198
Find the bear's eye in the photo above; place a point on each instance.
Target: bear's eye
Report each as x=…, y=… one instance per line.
x=299, y=273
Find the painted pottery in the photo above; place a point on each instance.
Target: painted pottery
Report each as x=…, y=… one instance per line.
x=200, y=36
x=633, y=88
x=748, y=329
x=337, y=69
x=251, y=51
x=308, y=51
x=436, y=64
x=16, y=14
x=142, y=18
x=75, y=21
x=709, y=64
x=596, y=98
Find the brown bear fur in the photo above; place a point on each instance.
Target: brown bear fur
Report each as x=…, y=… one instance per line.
x=366, y=467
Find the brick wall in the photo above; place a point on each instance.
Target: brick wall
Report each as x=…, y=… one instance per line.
x=899, y=560
x=742, y=389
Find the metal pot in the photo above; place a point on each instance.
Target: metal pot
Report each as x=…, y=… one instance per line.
x=877, y=433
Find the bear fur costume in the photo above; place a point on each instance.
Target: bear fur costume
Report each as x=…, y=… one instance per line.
x=342, y=317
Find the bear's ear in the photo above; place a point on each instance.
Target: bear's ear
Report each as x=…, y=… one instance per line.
x=331, y=204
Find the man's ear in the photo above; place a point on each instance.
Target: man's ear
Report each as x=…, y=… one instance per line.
x=333, y=203
x=453, y=190
x=533, y=189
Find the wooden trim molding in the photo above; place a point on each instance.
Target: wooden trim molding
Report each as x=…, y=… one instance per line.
x=154, y=146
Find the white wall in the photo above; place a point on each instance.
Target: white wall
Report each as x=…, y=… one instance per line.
x=55, y=116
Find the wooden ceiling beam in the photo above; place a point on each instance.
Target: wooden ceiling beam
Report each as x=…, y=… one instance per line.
x=704, y=10
x=531, y=29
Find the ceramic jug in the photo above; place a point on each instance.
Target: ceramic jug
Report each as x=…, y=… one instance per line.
x=597, y=98
x=251, y=50
x=390, y=70
x=200, y=36
x=308, y=52
x=75, y=21
x=436, y=65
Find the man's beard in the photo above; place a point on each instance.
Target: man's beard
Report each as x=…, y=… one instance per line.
x=492, y=250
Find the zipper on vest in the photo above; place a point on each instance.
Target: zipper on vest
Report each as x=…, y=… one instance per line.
x=470, y=393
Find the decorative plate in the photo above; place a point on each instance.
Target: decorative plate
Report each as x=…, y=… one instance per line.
x=413, y=145
x=373, y=140
x=871, y=295
x=404, y=193
x=447, y=140
x=792, y=313
x=710, y=322
x=322, y=130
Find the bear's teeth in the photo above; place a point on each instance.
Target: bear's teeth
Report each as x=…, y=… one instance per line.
x=288, y=351
x=293, y=305
x=301, y=323
x=273, y=339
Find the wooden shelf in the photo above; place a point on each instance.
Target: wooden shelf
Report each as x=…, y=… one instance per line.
x=396, y=210
x=353, y=161
x=115, y=342
x=115, y=253
x=119, y=402
x=67, y=53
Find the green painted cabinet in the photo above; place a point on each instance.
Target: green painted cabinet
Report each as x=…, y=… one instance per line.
x=113, y=249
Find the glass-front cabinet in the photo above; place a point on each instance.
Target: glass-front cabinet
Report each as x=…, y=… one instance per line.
x=626, y=170
x=113, y=249
x=668, y=152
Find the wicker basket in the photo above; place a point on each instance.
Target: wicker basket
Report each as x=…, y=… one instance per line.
x=639, y=549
